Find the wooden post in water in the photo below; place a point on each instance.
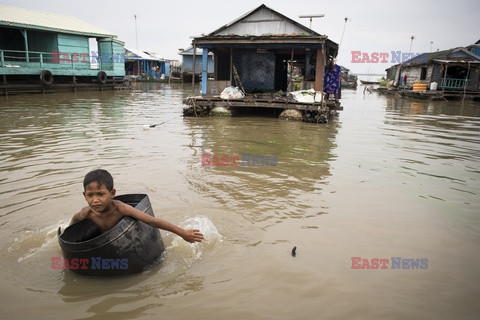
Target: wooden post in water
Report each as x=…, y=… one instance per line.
x=193, y=68
x=5, y=84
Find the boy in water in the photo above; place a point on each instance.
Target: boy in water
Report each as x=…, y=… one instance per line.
x=106, y=212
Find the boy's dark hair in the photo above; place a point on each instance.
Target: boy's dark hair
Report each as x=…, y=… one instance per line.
x=100, y=176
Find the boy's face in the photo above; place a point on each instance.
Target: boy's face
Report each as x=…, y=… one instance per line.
x=98, y=196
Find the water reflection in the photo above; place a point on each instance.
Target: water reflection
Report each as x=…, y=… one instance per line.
x=403, y=105
x=262, y=193
x=397, y=177
x=60, y=134
x=127, y=297
x=436, y=141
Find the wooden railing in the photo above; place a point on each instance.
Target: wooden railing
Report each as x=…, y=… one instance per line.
x=55, y=59
x=451, y=83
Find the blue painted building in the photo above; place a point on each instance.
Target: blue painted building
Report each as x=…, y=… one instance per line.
x=475, y=48
x=187, y=63
x=50, y=47
x=146, y=65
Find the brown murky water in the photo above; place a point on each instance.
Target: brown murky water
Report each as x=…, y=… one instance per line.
x=388, y=178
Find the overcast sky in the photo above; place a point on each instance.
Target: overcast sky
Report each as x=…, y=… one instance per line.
x=373, y=26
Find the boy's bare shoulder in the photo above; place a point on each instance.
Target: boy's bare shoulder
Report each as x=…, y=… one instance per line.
x=121, y=206
x=124, y=209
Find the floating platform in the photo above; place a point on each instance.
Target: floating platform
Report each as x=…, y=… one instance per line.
x=320, y=112
x=431, y=95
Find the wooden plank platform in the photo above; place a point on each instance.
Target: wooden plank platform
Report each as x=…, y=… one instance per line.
x=251, y=102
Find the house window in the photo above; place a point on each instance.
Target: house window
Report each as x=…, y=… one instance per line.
x=423, y=73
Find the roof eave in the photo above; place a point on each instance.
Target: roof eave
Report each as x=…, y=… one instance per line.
x=263, y=6
x=259, y=40
x=56, y=30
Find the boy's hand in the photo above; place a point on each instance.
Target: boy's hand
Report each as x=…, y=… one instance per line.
x=192, y=236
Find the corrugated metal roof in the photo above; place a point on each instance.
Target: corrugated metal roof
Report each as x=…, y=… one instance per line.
x=32, y=19
x=263, y=21
x=444, y=55
x=132, y=54
x=189, y=52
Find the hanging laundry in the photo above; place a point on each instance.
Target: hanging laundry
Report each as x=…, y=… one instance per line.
x=331, y=80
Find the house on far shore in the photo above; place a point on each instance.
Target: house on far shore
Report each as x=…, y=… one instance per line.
x=453, y=70
x=146, y=65
x=187, y=64
x=41, y=49
x=475, y=48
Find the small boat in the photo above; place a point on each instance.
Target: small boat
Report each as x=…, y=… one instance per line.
x=369, y=82
x=383, y=82
x=349, y=81
x=349, y=84
x=131, y=246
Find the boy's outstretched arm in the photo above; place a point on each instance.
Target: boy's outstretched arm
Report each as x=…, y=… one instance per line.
x=188, y=235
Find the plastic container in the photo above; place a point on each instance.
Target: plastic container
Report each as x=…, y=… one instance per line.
x=433, y=86
x=419, y=87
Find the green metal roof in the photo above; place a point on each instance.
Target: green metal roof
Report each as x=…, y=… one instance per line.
x=31, y=19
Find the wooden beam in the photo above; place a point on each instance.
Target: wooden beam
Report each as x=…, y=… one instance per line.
x=248, y=103
x=319, y=70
